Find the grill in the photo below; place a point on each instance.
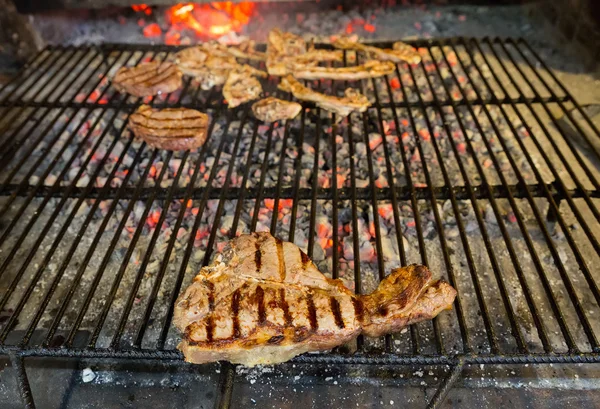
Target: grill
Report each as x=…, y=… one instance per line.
x=464, y=163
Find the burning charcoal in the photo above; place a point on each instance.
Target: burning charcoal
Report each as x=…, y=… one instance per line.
x=471, y=226
x=83, y=181
x=318, y=252
x=226, y=224
x=490, y=217
x=348, y=249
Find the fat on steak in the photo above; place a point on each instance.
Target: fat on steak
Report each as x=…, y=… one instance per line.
x=148, y=79
x=263, y=301
x=169, y=128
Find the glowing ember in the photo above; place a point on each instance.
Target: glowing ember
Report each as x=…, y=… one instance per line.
x=144, y=8
x=152, y=30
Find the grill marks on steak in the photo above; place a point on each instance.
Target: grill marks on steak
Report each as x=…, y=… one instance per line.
x=148, y=79
x=263, y=301
x=169, y=128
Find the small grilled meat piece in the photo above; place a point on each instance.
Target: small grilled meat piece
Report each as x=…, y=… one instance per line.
x=241, y=85
x=263, y=301
x=352, y=101
x=370, y=69
x=148, y=79
x=406, y=52
x=170, y=128
x=401, y=51
x=272, y=109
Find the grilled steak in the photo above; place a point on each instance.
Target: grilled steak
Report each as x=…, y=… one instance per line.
x=147, y=79
x=352, y=100
x=263, y=301
x=272, y=109
x=170, y=128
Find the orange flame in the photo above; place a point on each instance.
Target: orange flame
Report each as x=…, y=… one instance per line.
x=211, y=20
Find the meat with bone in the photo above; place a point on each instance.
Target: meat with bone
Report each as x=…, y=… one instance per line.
x=263, y=301
x=287, y=51
x=370, y=69
x=241, y=85
x=169, y=128
x=247, y=50
x=208, y=68
x=352, y=100
x=313, y=56
x=400, y=53
x=406, y=52
x=280, y=47
x=148, y=79
x=272, y=109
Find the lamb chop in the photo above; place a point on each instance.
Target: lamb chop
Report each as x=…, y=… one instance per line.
x=263, y=301
x=247, y=50
x=352, y=101
x=370, y=69
x=401, y=51
x=314, y=56
x=406, y=52
x=169, y=128
x=281, y=46
x=190, y=59
x=148, y=79
x=241, y=85
x=272, y=109
x=244, y=50
x=285, y=51
x=207, y=67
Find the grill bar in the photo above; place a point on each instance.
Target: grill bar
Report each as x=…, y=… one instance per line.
x=18, y=364
x=385, y=193
x=574, y=151
x=570, y=288
x=108, y=241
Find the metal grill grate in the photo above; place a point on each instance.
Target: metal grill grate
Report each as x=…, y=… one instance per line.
x=465, y=162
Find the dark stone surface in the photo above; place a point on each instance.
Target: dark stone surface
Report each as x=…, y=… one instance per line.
x=58, y=384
